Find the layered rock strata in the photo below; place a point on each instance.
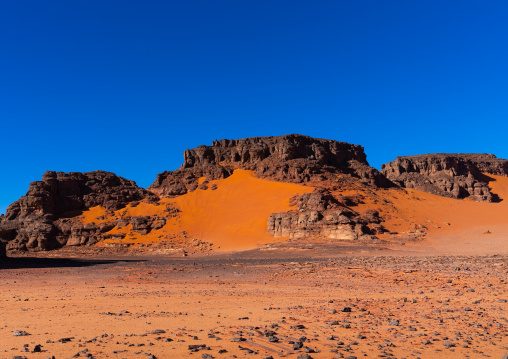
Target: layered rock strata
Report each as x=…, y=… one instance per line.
x=450, y=175
x=319, y=215
x=289, y=158
x=43, y=219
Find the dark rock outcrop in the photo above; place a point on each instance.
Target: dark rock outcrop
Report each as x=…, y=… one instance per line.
x=451, y=175
x=289, y=158
x=42, y=219
x=319, y=215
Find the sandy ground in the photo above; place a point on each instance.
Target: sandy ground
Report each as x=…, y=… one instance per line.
x=326, y=301
x=441, y=296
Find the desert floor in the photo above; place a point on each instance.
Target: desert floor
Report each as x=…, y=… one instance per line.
x=328, y=301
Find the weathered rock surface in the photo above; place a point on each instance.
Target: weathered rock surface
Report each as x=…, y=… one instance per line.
x=43, y=218
x=450, y=175
x=319, y=215
x=289, y=158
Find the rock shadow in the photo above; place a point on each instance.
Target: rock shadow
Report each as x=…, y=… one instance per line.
x=488, y=179
x=34, y=262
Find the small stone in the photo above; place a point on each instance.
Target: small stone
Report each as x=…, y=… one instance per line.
x=448, y=344
x=297, y=326
x=158, y=331
x=297, y=345
x=20, y=333
x=238, y=339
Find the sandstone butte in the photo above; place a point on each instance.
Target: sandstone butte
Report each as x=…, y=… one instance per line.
x=267, y=191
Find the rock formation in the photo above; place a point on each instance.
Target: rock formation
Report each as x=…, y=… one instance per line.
x=319, y=215
x=450, y=175
x=43, y=218
x=289, y=158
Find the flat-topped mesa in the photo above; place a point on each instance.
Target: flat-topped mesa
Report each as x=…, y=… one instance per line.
x=249, y=152
x=289, y=158
x=41, y=219
x=450, y=175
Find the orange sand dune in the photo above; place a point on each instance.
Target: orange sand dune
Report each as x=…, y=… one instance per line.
x=234, y=216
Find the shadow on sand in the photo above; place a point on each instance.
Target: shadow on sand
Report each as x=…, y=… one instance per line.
x=34, y=262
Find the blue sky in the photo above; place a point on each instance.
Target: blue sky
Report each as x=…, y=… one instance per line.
x=127, y=86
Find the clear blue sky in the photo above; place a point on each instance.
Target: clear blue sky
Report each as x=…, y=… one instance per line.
x=127, y=86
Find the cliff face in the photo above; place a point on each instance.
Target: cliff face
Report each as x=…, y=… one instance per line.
x=289, y=158
x=42, y=219
x=450, y=175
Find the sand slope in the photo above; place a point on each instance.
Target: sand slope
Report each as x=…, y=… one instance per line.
x=234, y=216
x=454, y=226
